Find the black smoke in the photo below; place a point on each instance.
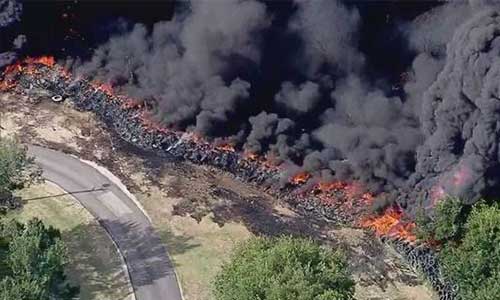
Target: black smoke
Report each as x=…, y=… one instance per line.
x=398, y=95
x=185, y=65
x=460, y=115
x=10, y=43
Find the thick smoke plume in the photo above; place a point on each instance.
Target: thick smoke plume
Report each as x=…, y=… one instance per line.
x=432, y=134
x=330, y=36
x=185, y=66
x=10, y=13
x=461, y=109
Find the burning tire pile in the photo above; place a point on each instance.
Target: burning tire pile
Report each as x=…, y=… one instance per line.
x=336, y=203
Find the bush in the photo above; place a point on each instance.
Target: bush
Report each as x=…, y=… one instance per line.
x=284, y=268
x=32, y=260
x=17, y=170
x=474, y=263
x=445, y=225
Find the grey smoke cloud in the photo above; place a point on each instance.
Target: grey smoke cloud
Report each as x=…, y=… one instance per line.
x=10, y=12
x=265, y=129
x=423, y=73
x=365, y=135
x=431, y=31
x=301, y=99
x=182, y=64
x=330, y=34
x=461, y=113
x=439, y=131
x=370, y=134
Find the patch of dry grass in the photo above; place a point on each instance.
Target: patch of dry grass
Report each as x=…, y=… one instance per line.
x=197, y=249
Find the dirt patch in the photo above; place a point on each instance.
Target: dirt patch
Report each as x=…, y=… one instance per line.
x=200, y=212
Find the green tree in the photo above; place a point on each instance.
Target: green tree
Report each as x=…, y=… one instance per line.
x=284, y=268
x=474, y=262
x=32, y=262
x=446, y=222
x=17, y=170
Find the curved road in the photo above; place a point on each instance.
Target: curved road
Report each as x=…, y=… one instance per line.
x=151, y=271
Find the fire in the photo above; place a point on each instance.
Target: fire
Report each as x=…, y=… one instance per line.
x=390, y=224
x=300, y=178
x=6, y=85
x=462, y=176
x=13, y=68
x=105, y=88
x=329, y=186
x=225, y=147
x=48, y=61
x=349, y=197
x=150, y=125
x=26, y=65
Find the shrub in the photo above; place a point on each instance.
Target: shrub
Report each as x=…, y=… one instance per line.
x=32, y=260
x=17, y=170
x=284, y=268
x=446, y=223
x=474, y=263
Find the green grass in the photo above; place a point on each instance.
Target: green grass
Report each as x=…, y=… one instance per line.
x=197, y=249
x=94, y=262
x=200, y=253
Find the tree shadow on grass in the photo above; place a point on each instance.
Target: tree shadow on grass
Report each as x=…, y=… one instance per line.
x=145, y=253
x=95, y=264
x=97, y=267
x=177, y=244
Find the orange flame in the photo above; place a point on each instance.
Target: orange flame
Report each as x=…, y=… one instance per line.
x=344, y=195
x=326, y=187
x=300, y=178
x=390, y=224
x=150, y=125
x=48, y=61
x=103, y=87
x=225, y=147
x=250, y=155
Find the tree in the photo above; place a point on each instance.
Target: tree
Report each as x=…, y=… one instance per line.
x=17, y=170
x=284, y=268
x=446, y=224
x=474, y=263
x=32, y=258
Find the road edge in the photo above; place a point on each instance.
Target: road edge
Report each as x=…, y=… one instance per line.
x=120, y=254
x=116, y=181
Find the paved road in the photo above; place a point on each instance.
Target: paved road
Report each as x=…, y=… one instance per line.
x=151, y=272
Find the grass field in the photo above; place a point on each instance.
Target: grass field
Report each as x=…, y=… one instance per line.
x=95, y=265
x=197, y=249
